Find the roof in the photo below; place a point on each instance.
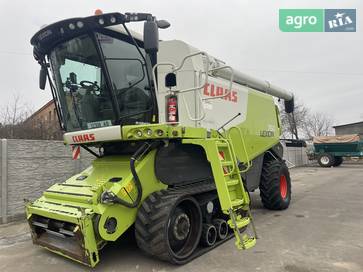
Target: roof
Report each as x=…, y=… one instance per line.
x=361, y=122
x=49, y=103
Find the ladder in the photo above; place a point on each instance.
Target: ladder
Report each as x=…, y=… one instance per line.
x=233, y=197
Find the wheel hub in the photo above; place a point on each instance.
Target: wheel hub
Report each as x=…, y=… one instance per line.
x=324, y=160
x=181, y=227
x=283, y=186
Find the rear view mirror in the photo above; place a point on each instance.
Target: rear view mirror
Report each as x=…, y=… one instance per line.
x=151, y=37
x=42, y=77
x=163, y=24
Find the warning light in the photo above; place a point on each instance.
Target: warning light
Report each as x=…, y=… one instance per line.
x=98, y=12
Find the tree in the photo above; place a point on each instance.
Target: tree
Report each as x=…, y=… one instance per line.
x=13, y=117
x=303, y=122
x=293, y=123
x=318, y=124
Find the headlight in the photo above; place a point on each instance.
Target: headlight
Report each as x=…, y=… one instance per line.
x=113, y=19
x=159, y=132
x=138, y=133
x=80, y=24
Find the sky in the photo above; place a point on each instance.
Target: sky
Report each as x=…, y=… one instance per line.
x=324, y=70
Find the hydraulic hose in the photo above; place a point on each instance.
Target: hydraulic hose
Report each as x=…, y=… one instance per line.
x=109, y=197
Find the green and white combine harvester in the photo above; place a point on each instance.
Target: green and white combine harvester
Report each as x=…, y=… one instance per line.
x=179, y=137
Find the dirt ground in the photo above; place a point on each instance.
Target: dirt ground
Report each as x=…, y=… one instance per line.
x=321, y=231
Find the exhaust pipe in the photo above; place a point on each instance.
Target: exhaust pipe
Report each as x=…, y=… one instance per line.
x=209, y=235
x=221, y=227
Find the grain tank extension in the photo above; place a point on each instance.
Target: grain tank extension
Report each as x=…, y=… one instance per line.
x=179, y=138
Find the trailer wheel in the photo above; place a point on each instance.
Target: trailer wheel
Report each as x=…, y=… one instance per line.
x=275, y=185
x=338, y=161
x=169, y=226
x=326, y=160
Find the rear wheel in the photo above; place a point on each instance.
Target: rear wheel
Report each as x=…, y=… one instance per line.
x=275, y=185
x=168, y=226
x=338, y=161
x=326, y=160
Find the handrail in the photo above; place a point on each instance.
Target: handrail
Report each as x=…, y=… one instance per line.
x=249, y=164
x=154, y=69
x=206, y=72
x=175, y=69
x=230, y=82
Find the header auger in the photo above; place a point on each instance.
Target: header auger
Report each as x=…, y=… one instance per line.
x=182, y=138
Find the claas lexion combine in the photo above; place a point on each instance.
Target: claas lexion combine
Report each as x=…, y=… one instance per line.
x=179, y=139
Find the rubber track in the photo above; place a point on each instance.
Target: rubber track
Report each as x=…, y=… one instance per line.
x=270, y=185
x=150, y=222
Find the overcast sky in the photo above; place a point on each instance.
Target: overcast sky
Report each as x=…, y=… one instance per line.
x=325, y=70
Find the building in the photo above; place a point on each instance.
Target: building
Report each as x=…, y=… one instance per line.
x=43, y=124
x=352, y=128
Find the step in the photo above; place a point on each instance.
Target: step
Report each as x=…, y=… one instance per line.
x=222, y=144
x=247, y=242
x=237, y=202
x=241, y=222
x=227, y=163
x=232, y=182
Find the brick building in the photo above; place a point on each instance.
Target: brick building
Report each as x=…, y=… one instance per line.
x=44, y=123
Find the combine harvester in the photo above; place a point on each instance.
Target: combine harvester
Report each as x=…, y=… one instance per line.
x=179, y=137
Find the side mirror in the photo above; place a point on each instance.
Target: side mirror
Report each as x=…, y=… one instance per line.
x=42, y=77
x=162, y=24
x=151, y=37
x=170, y=80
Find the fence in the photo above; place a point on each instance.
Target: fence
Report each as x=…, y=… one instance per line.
x=296, y=156
x=28, y=167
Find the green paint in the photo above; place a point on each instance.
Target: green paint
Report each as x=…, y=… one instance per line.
x=77, y=201
x=301, y=20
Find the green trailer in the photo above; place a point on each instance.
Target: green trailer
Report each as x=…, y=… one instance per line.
x=330, y=150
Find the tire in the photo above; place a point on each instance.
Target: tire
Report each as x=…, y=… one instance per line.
x=326, y=160
x=338, y=161
x=168, y=226
x=275, y=185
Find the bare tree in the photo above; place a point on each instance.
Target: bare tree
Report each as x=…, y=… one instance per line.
x=13, y=117
x=318, y=124
x=293, y=123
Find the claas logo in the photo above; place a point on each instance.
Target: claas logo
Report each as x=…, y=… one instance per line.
x=84, y=138
x=213, y=90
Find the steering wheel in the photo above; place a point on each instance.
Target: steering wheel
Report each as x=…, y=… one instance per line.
x=92, y=86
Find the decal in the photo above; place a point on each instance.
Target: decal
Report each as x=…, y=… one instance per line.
x=213, y=90
x=76, y=152
x=89, y=137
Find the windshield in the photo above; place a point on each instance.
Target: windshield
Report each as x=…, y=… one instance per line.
x=129, y=80
x=84, y=94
